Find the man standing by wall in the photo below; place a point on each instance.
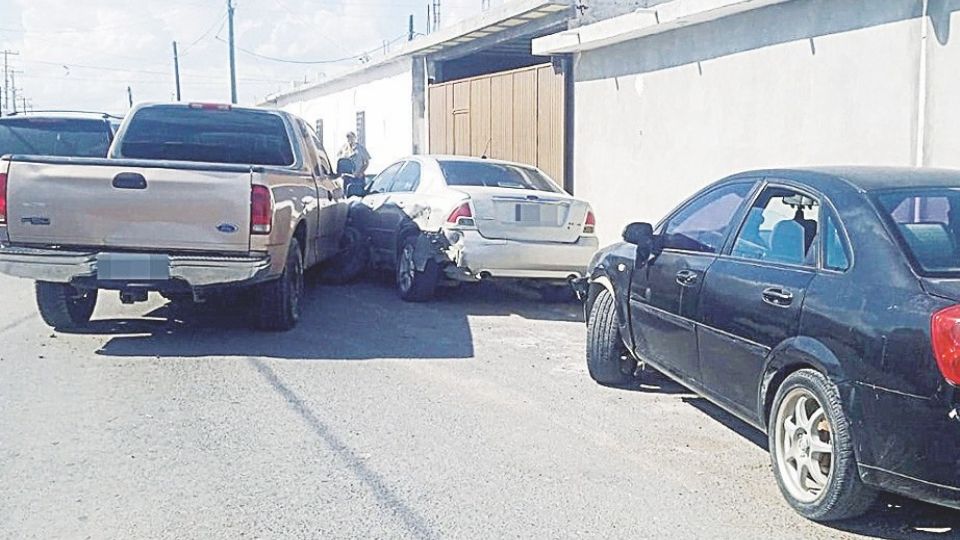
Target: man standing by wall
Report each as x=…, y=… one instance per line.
x=355, y=152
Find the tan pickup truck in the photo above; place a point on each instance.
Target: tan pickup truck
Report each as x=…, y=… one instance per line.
x=191, y=200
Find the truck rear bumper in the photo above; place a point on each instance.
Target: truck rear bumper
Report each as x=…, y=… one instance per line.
x=60, y=266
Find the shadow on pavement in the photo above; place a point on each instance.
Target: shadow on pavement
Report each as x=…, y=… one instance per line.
x=357, y=322
x=894, y=517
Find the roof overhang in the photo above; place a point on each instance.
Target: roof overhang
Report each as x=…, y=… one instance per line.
x=511, y=20
x=644, y=22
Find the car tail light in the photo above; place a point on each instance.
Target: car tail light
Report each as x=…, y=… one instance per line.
x=462, y=216
x=211, y=106
x=590, y=224
x=945, y=338
x=261, y=210
x=3, y=198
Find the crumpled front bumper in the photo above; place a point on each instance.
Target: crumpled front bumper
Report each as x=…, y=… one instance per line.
x=62, y=266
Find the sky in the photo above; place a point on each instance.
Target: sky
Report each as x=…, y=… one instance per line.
x=83, y=54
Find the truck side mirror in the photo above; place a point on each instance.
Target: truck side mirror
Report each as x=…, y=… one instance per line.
x=345, y=166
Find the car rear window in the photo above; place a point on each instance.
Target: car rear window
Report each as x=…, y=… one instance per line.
x=927, y=223
x=207, y=136
x=65, y=137
x=475, y=173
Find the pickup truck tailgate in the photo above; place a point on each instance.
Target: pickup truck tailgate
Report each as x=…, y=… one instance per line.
x=125, y=204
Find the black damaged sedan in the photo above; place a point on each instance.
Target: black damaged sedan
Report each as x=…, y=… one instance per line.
x=821, y=306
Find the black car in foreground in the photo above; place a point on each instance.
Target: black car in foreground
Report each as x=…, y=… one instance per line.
x=821, y=306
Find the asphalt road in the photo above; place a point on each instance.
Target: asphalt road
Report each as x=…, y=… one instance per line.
x=470, y=417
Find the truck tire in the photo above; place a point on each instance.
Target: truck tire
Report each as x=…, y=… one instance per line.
x=608, y=360
x=278, y=302
x=350, y=262
x=412, y=284
x=812, y=451
x=63, y=306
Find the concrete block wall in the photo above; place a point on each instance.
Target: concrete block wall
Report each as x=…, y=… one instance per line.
x=809, y=82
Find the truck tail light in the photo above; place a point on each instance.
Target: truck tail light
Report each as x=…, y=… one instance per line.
x=462, y=216
x=211, y=106
x=261, y=210
x=945, y=338
x=3, y=198
x=590, y=224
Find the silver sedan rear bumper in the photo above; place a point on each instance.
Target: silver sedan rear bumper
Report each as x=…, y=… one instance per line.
x=61, y=266
x=475, y=256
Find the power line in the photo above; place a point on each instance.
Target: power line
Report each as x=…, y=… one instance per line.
x=315, y=62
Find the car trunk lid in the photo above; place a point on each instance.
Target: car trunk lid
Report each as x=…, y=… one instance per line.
x=527, y=215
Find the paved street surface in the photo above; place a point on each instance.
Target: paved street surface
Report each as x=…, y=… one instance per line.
x=471, y=417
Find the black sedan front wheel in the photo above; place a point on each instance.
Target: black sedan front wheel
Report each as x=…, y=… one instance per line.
x=608, y=360
x=812, y=451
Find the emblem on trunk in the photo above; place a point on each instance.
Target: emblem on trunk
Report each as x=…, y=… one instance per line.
x=227, y=228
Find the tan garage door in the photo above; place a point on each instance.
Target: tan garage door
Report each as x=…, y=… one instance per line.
x=514, y=115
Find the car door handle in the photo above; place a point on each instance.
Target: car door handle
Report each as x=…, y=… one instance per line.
x=776, y=296
x=685, y=278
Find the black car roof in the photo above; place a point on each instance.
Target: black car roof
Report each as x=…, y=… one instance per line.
x=866, y=178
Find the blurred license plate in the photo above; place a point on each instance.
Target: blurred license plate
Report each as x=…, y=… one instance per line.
x=528, y=213
x=133, y=266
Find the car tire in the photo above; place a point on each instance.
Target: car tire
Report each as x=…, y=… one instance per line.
x=350, y=262
x=414, y=285
x=608, y=361
x=279, y=301
x=812, y=451
x=63, y=306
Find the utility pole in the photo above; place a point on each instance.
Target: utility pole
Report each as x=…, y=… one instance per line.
x=6, y=77
x=130, y=96
x=436, y=14
x=410, y=28
x=233, y=58
x=176, y=68
x=13, y=87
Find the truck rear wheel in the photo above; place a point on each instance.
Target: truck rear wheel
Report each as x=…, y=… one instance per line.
x=64, y=306
x=279, y=301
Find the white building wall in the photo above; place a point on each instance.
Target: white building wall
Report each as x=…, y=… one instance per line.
x=384, y=93
x=810, y=82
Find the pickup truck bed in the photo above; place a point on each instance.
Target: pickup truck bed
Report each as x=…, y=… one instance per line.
x=191, y=198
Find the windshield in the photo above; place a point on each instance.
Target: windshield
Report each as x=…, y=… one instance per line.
x=66, y=137
x=927, y=222
x=207, y=136
x=474, y=173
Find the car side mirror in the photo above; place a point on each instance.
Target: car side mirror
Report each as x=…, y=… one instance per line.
x=640, y=235
x=345, y=167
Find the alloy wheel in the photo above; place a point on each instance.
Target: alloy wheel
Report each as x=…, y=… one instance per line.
x=804, y=445
x=406, y=269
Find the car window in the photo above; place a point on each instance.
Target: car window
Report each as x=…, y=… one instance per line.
x=488, y=174
x=703, y=223
x=384, y=181
x=836, y=254
x=67, y=137
x=781, y=226
x=408, y=179
x=927, y=223
x=207, y=136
